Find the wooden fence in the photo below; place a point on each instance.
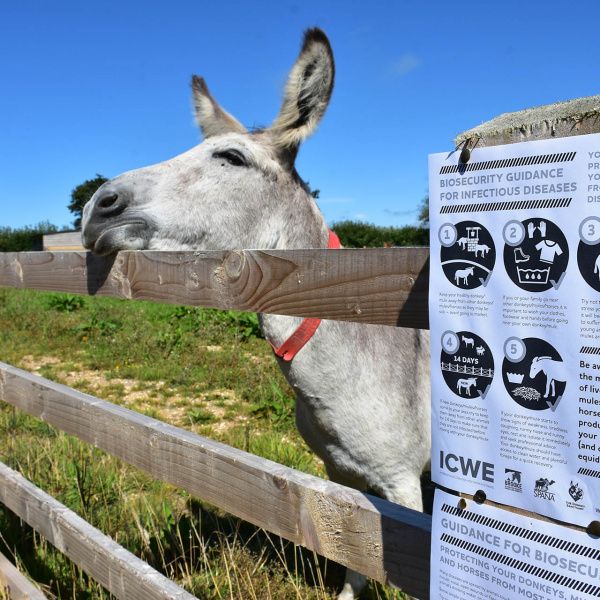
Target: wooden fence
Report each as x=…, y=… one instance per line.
x=385, y=286
x=379, y=286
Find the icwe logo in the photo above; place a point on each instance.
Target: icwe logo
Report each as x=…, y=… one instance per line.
x=476, y=469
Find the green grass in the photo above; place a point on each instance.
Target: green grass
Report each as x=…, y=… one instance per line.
x=204, y=370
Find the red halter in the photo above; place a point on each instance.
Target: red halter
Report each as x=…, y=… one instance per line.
x=307, y=328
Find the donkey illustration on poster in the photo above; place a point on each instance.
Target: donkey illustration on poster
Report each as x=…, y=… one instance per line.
x=466, y=384
x=363, y=391
x=552, y=369
x=462, y=275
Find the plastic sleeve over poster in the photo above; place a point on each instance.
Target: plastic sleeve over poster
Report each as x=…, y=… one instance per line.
x=515, y=324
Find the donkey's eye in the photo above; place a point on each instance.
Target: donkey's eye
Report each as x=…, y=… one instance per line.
x=233, y=157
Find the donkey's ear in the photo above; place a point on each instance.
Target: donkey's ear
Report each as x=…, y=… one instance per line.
x=213, y=120
x=307, y=93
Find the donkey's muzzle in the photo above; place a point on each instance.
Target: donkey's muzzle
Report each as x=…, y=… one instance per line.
x=109, y=224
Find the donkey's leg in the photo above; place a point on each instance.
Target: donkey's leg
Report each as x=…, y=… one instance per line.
x=406, y=492
x=353, y=585
x=354, y=581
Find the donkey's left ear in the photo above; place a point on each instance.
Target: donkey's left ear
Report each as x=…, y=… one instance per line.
x=307, y=93
x=213, y=120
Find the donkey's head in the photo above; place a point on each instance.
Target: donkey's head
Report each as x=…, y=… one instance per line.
x=237, y=189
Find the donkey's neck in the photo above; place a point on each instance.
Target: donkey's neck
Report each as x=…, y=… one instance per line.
x=305, y=228
x=302, y=224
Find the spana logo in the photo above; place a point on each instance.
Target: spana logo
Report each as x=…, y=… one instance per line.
x=542, y=487
x=476, y=469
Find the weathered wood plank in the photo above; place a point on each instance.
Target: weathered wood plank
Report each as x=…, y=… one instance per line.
x=15, y=585
x=563, y=119
x=385, y=286
x=122, y=573
x=385, y=541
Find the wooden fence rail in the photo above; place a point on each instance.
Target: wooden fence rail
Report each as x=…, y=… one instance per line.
x=384, y=286
x=15, y=585
x=125, y=575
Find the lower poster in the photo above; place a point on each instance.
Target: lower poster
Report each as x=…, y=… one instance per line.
x=483, y=553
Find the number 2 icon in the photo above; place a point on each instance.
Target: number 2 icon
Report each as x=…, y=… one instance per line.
x=513, y=233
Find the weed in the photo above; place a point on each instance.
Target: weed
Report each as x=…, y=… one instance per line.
x=65, y=302
x=199, y=415
x=246, y=324
x=278, y=408
x=104, y=326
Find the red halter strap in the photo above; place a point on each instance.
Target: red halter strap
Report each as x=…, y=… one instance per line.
x=307, y=328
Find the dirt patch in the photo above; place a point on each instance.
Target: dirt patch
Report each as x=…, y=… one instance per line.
x=29, y=363
x=216, y=402
x=156, y=399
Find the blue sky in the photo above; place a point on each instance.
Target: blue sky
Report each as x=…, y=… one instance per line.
x=103, y=87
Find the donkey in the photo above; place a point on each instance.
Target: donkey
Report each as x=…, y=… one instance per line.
x=363, y=391
x=552, y=369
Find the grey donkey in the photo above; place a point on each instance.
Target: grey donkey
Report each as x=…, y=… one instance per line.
x=363, y=392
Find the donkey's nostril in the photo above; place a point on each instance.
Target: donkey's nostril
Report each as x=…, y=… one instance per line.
x=108, y=201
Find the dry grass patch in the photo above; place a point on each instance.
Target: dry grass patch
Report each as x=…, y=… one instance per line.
x=156, y=398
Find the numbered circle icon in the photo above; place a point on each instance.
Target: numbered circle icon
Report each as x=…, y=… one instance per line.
x=513, y=233
x=450, y=342
x=468, y=254
x=589, y=231
x=447, y=235
x=588, y=252
x=514, y=349
x=536, y=254
x=467, y=364
x=537, y=380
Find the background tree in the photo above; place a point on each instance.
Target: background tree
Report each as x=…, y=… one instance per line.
x=21, y=239
x=423, y=214
x=314, y=193
x=358, y=234
x=81, y=195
